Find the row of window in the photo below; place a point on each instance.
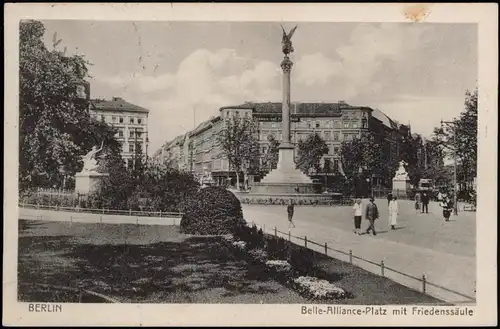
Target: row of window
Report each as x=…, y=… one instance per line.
x=236, y=114
x=328, y=164
x=327, y=135
x=131, y=147
x=120, y=119
x=131, y=133
x=310, y=124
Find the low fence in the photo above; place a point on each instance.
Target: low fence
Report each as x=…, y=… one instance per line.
x=129, y=212
x=424, y=283
x=299, y=202
x=103, y=219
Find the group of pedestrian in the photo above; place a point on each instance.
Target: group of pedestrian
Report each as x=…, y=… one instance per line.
x=371, y=214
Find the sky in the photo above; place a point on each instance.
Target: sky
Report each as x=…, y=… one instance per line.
x=183, y=72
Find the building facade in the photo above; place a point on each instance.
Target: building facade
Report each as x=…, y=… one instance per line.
x=130, y=120
x=334, y=122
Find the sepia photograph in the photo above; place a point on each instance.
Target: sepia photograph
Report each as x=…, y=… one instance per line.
x=329, y=165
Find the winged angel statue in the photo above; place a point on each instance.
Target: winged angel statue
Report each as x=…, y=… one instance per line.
x=89, y=160
x=286, y=42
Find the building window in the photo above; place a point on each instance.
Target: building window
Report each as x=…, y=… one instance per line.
x=355, y=125
x=328, y=164
x=327, y=135
x=317, y=124
x=131, y=120
x=131, y=148
x=335, y=150
x=337, y=124
x=103, y=118
x=131, y=133
x=336, y=165
x=335, y=136
x=120, y=133
x=121, y=119
x=139, y=133
x=122, y=147
x=113, y=119
x=346, y=125
x=139, y=120
x=246, y=114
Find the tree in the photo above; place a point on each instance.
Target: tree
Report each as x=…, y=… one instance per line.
x=271, y=155
x=411, y=153
x=238, y=143
x=434, y=168
x=310, y=152
x=54, y=123
x=363, y=157
x=459, y=138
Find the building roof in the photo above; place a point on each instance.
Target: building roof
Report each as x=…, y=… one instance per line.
x=117, y=104
x=388, y=122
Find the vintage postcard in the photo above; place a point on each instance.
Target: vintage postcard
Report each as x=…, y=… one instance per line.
x=250, y=164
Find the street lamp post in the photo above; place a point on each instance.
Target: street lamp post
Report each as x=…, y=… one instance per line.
x=452, y=125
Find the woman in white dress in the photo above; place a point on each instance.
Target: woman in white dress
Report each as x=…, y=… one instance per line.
x=393, y=213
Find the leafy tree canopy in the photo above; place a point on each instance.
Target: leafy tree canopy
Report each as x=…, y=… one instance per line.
x=310, y=152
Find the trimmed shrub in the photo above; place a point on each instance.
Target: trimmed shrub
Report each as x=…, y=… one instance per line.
x=302, y=260
x=276, y=248
x=212, y=211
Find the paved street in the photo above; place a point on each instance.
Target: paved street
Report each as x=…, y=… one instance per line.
x=422, y=244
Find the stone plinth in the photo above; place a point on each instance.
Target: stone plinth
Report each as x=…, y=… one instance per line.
x=88, y=182
x=285, y=179
x=400, y=187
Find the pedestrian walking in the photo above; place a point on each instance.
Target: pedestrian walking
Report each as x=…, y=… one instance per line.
x=425, y=203
x=371, y=214
x=290, y=209
x=393, y=213
x=389, y=198
x=358, y=214
x=418, y=200
x=446, y=205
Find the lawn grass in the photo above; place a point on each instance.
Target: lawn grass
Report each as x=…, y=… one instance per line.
x=157, y=264
x=137, y=264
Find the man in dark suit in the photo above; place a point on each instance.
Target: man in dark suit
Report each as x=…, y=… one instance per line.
x=425, y=203
x=371, y=214
x=290, y=210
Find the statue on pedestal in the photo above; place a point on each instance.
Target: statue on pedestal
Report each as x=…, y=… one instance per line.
x=89, y=160
x=286, y=42
x=401, y=173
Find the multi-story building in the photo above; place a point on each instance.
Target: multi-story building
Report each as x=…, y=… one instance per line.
x=200, y=152
x=130, y=120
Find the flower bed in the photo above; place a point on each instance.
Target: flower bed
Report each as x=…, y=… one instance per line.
x=241, y=245
x=314, y=288
x=297, y=272
x=258, y=255
x=279, y=265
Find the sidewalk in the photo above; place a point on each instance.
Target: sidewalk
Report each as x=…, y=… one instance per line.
x=63, y=216
x=452, y=271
